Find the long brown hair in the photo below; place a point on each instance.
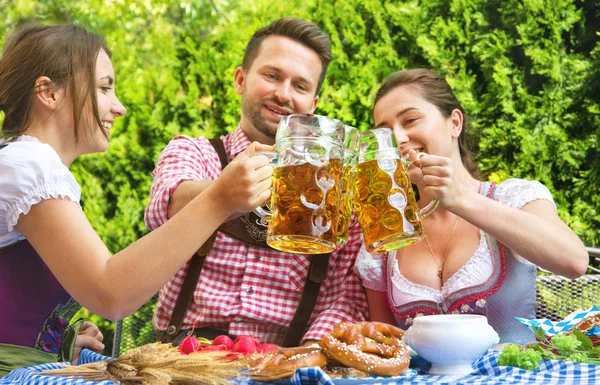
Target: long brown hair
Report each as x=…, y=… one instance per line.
x=64, y=53
x=300, y=30
x=436, y=90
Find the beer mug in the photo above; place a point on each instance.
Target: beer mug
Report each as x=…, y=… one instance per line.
x=351, y=143
x=383, y=195
x=305, y=196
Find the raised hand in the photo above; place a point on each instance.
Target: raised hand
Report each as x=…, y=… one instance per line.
x=246, y=182
x=438, y=180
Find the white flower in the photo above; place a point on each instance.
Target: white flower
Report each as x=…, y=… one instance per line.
x=465, y=308
x=481, y=302
x=409, y=320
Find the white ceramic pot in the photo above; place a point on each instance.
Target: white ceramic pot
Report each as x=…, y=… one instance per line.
x=451, y=342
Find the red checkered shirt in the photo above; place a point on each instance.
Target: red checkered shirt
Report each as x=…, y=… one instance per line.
x=246, y=289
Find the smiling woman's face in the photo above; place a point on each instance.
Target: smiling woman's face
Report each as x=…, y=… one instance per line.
x=109, y=107
x=417, y=123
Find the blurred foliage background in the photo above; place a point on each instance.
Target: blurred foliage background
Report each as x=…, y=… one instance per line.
x=526, y=71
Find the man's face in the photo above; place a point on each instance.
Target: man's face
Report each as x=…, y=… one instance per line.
x=281, y=81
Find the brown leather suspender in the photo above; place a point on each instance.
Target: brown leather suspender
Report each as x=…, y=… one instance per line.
x=250, y=229
x=317, y=272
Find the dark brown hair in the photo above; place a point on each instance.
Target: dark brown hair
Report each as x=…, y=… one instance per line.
x=436, y=90
x=64, y=53
x=302, y=31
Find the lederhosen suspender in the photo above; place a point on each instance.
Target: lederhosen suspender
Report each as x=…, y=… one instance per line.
x=250, y=229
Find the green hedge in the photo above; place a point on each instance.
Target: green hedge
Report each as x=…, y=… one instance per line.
x=527, y=73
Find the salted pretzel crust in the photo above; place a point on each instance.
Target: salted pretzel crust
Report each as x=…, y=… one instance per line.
x=349, y=344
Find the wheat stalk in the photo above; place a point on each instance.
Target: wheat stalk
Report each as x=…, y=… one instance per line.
x=158, y=364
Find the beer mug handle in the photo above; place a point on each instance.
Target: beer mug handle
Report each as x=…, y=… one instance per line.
x=425, y=211
x=273, y=156
x=263, y=213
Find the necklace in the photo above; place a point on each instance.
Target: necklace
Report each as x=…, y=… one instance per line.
x=440, y=272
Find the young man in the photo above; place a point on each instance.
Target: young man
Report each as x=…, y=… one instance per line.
x=246, y=288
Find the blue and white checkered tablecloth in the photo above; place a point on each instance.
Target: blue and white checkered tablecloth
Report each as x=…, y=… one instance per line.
x=485, y=371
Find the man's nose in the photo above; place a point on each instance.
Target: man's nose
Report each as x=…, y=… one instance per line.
x=282, y=92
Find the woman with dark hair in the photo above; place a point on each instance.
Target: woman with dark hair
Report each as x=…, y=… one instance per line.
x=483, y=243
x=57, y=93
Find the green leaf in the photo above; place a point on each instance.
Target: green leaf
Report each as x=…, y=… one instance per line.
x=595, y=362
x=585, y=341
x=547, y=354
x=539, y=334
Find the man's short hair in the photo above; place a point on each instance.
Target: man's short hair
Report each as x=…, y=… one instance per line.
x=300, y=30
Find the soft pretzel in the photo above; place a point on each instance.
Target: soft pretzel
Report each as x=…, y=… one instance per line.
x=283, y=362
x=587, y=323
x=348, y=343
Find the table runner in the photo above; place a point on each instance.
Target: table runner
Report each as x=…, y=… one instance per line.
x=485, y=371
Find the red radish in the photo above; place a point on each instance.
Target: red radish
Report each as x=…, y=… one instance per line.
x=245, y=346
x=189, y=345
x=264, y=348
x=214, y=348
x=250, y=338
x=223, y=340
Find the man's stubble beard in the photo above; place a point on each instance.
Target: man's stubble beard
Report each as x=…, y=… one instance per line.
x=253, y=113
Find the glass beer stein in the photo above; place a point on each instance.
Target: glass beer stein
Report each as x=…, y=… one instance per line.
x=351, y=143
x=305, y=196
x=383, y=195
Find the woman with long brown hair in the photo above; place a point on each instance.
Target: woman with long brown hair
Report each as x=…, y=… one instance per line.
x=483, y=243
x=57, y=93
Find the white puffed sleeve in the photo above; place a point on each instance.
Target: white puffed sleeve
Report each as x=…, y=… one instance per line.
x=30, y=172
x=516, y=193
x=370, y=269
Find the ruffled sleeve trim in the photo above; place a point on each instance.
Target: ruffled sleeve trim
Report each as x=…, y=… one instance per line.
x=31, y=171
x=36, y=195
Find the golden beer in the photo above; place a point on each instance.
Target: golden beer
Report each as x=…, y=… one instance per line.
x=386, y=207
x=345, y=206
x=305, y=207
